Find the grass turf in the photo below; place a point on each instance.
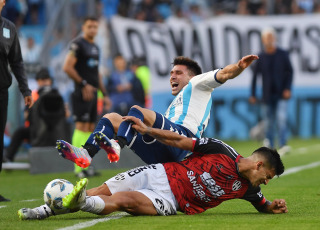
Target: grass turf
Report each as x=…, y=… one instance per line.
x=301, y=191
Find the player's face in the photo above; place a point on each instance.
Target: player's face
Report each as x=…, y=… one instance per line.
x=90, y=29
x=179, y=78
x=262, y=175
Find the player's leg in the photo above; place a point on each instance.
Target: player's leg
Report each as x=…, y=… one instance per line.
x=152, y=151
x=132, y=202
x=38, y=213
x=107, y=125
x=282, y=114
x=141, y=191
x=125, y=134
x=269, y=120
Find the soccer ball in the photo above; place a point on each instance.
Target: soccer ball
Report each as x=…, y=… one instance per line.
x=54, y=192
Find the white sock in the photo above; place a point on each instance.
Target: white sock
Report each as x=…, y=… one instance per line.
x=44, y=211
x=94, y=204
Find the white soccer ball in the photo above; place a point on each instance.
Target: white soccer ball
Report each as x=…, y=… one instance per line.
x=54, y=192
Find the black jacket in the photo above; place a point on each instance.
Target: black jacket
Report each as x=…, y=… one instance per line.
x=276, y=72
x=10, y=53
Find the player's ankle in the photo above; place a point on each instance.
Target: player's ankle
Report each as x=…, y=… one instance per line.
x=91, y=149
x=122, y=142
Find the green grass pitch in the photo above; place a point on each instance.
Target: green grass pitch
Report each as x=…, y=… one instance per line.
x=301, y=191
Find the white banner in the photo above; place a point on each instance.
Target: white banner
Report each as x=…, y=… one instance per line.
x=220, y=41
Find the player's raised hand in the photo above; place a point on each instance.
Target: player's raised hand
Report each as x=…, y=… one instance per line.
x=247, y=60
x=137, y=124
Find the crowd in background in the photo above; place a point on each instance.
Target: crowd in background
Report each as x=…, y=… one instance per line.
x=37, y=12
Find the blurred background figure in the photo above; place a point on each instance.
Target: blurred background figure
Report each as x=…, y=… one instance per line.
x=10, y=53
x=22, y=134
x=142, y=72
x=124, y=88
x=82, y=66
x=31, y=51
x=275, y=68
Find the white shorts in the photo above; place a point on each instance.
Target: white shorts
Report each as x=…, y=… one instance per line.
x=150, y=180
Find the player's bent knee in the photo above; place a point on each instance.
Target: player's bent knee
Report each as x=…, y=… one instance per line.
x=114, y=118
x=137, y=107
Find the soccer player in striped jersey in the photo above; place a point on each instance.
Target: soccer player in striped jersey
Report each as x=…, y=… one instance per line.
x=214, y=173
x=188, y=115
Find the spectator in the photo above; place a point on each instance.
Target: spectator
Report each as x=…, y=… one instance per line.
x=31, y=52
x=123, y=87
x=142, y=72
x=275, y=68
x=147, y=11
x=302, y=6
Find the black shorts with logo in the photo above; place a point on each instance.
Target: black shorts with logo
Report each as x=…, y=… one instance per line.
x=84, y=111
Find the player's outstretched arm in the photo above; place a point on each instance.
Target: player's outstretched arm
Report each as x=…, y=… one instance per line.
x=164, y=136
x=277, y=206
x=233, y=70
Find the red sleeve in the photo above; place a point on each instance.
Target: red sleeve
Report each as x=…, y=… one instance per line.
x=194, y=140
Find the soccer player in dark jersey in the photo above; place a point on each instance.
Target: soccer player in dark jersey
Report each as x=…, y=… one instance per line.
x=214, y=173
x=81, y=65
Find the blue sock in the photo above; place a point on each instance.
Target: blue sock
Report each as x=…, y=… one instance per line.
x=105, y=126
x=125, y=131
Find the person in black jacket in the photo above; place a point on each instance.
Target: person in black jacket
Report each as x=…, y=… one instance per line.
x=275, y=68
x=10, y=53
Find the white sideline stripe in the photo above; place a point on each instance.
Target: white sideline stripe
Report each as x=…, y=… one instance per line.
x=3, y=206
x=303, y=150
x=31, y=200
x=93, y=222
x=300, y=168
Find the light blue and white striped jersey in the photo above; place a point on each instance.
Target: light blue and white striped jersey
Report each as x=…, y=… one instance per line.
x=191, y=107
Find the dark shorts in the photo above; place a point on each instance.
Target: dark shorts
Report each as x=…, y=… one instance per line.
x=152, y=151
x=84, y=111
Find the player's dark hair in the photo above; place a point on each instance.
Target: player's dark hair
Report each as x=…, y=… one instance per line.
x=90, y=18
x=273, y=158
x=192, y=65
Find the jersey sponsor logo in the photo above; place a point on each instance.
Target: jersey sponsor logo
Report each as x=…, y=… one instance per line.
x=236, y=185
x=211, y=185
x=6, y=33
x=92, y=62
x=203, y=141
x=138, y=170
x=120, y=176
x=94, y=50
x=197, y=188
x=260, y=194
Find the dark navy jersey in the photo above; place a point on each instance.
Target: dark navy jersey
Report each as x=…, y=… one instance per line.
x=209, y=177
x=10, y=54
x=87, y=64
